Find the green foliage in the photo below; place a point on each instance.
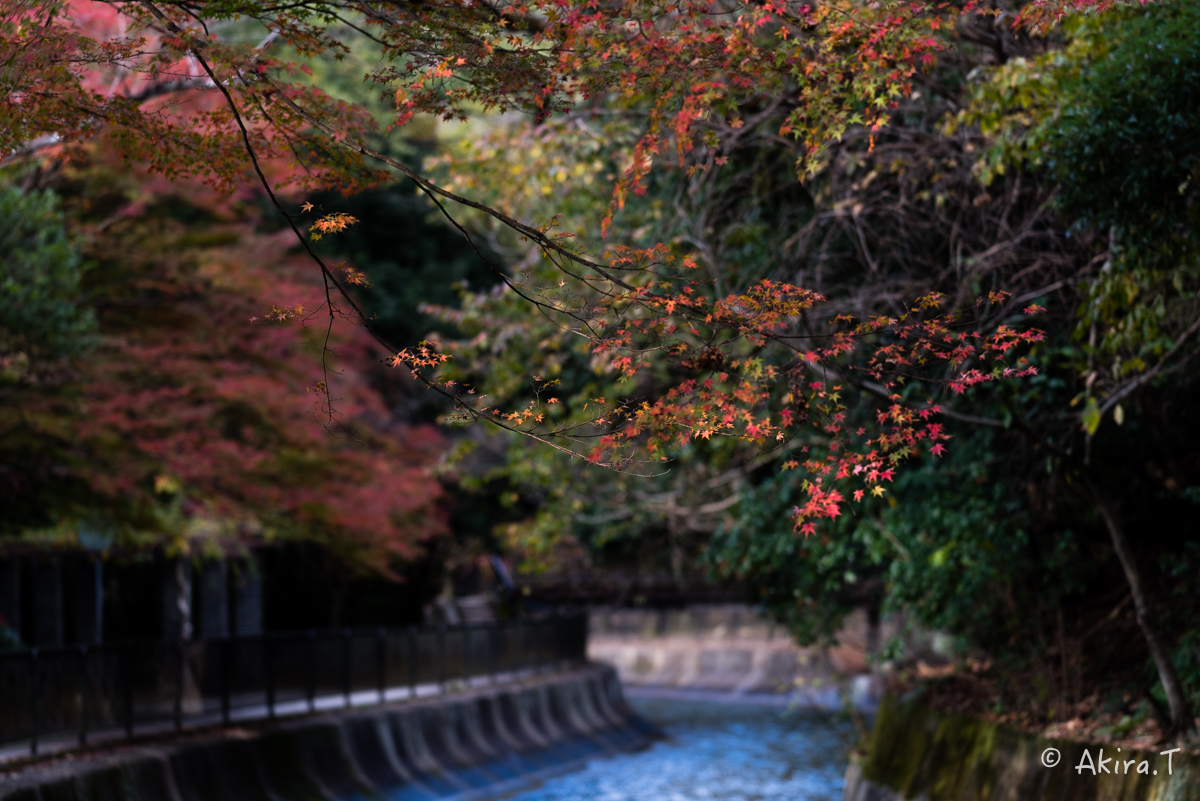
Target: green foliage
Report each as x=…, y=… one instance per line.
x=1181, y=565
x=1114, y=116
x=1010, y=103
x=807, y=583
x=41, y=319
x=1124, y=144
x=953, y=549
x=1124, y=148
x=1113, y=120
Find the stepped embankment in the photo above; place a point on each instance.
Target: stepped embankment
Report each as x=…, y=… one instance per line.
x=466, y=746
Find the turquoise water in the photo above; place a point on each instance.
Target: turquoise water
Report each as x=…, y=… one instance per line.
x=717, y=752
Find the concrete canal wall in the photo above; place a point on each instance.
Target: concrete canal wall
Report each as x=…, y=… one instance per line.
x=918, y=753
x=731, y=649
x=466, y=746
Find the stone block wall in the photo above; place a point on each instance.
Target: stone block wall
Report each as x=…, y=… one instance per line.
x=730, y=648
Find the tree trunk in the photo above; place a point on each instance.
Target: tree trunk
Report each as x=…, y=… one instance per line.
x=1177, y=704
x=179, y=627
x=181, y=579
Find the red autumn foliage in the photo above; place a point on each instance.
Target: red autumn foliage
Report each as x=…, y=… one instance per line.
x=192, y=417
x=681, y=62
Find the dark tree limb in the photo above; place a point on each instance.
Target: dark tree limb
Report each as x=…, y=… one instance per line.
x=1180, y=717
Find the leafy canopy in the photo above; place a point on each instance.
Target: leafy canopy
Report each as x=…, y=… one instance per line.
x=187, y=427
x=41, y=320
x=77, y=70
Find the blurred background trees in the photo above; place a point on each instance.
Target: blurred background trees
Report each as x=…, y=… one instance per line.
x=1059, y=168
x=151, y=408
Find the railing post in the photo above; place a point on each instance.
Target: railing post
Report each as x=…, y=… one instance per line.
x=545, y=641
x=347, y=665
x=519, y=644
x=464, y=652
x=493, y=653
x=312, y=671
x=412, y=661
x=537, y=638
x=381, y=662
x=562, y=642
x=480, y=635
x=180, y=679
x=507, y=648
x=559, y=646
x=466, y=648
x=33, y=701
x=512, y=662
x=127, y=684
x=82, y=696
x=226, y=646
x=268, y=676
x=529, y=641
x=441, y=644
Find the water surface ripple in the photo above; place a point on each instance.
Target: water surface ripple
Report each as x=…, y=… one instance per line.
x=717, y=752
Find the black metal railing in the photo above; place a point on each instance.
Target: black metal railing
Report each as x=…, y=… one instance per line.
x=66, y=695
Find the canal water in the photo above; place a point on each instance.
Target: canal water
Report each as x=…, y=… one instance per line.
x=717, y=752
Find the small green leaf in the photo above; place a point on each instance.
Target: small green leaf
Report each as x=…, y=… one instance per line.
x=1091, y=416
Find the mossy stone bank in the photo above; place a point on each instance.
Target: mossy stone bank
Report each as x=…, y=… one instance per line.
x=916, y=752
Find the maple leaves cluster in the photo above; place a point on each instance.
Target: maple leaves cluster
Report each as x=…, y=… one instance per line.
x=941, y=339
x=423, y=355
x=747, y=366
x=329, y=224
x=118, y=67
